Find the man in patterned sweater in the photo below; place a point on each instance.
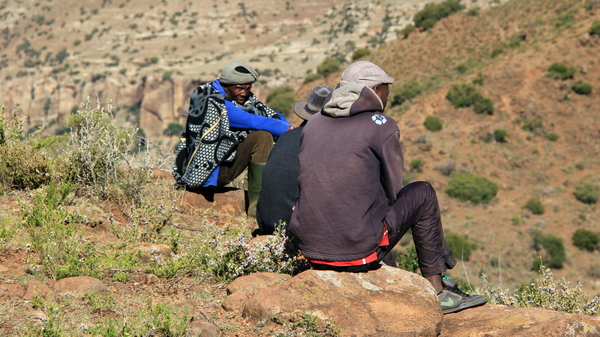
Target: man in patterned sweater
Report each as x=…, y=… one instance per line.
x=227, y=130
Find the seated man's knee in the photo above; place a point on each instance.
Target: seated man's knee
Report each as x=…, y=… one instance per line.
x=262, y=136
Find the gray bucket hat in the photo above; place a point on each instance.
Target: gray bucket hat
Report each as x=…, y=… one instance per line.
x=238, y=72
x=314, y=102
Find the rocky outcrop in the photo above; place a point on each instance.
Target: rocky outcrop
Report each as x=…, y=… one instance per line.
x=499, y=321
x=150, y=104
x=385, y=302
x=391, y=302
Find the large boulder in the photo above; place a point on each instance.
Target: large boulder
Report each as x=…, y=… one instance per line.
x=384, y=302
x=499, y=321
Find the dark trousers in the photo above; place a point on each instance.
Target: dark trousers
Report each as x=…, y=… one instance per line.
x=256, y=148
x=416, y=208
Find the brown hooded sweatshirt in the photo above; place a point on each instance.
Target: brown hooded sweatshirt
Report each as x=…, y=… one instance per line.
x=351, y=166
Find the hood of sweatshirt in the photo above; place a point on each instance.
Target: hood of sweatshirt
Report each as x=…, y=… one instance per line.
x=350, y=99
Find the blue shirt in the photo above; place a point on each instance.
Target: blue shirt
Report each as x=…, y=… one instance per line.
x=240, y=119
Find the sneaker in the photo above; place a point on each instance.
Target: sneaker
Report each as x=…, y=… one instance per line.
x=453, y=299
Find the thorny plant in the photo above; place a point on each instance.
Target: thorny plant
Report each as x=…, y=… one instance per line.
x=98, y=155
x=544, y=292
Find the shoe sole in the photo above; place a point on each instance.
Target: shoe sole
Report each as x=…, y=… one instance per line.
x=464, y=306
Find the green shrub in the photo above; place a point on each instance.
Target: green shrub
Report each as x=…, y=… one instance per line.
x=428, y=16
x=27, y=162
x=417, y=165
x=473, y=12
x=463, y=95
x=433, y=123
x=535, y=206
x=533, y=125
x=173, y=129
x=360, y=53
x=545, y=293
x=61, y=55
x=460, y=246
x=405, y=32
x=407, y=91
x=555, y=250
x=469, y=187
x=582, y=88
x=281, y=99
x=595, y=30
x=329, y=66
x=311, y=77
x=483, y=105
x=496, y=52
x=586, y=240
x=500, y=135
x=552, y=136
x=407, y=260
x=587, y=193
x=561, y=71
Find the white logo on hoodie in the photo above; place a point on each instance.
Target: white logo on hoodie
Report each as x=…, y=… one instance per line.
x=379, y=119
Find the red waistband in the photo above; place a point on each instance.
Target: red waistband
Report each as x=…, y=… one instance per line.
x=385, y=240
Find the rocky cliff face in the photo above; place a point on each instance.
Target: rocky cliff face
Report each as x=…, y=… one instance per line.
x=146, y=56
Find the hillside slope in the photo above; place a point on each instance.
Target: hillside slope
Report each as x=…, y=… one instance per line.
x=529, y=36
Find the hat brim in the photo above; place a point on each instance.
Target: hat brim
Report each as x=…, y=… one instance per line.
x=300, y=111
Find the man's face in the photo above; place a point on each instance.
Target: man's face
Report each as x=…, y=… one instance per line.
x=383, y=90
x=238, y=92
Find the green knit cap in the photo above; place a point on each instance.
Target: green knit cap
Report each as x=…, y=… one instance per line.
x=238, y=72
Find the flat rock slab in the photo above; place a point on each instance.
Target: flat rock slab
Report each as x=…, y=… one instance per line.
x=384, y=302
x=500, y=321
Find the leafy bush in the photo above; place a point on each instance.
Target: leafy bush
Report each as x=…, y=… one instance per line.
x=533, y=125
x=427, y=17
x=311, y=77
x=407, y=91
x=555, y=250
x=408, y=260
x=433, y=123
x=405, y=32
x=582, y=88
x=552, y=136
x=360, y=53
x=587, y=193
x=496, y=52
x=463, y=95
x=329, y=66
x=469, y=187
x=460, y=246
x=535, y=206
x=281, y=99
x=561, y=71
x=500, y=135
x=228, y=258
x=545, y=293
x=26, y=162
x=595, y=30
x=483, y=105
x=417, y=165
x=586, y=240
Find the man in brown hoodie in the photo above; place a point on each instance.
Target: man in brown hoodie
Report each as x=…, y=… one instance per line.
x=352, y=208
